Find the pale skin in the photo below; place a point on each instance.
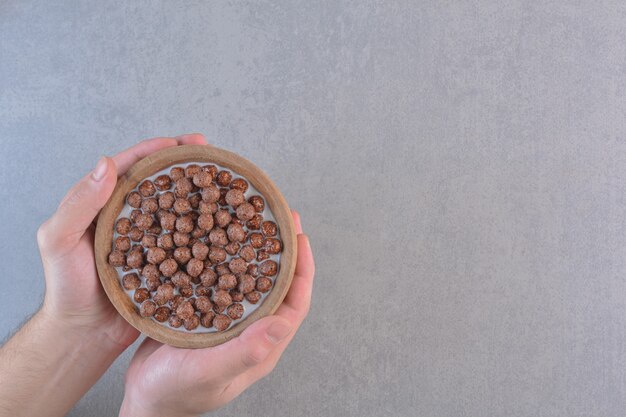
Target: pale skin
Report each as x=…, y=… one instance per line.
x=49, y=364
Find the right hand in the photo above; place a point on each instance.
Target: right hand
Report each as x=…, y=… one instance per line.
x=167, y=381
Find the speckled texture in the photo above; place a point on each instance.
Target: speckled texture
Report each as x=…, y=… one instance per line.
x=467, y=157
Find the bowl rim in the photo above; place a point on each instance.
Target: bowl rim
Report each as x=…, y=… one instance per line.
x=154, y=163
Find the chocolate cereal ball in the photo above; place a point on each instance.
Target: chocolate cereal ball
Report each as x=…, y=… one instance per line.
x=246, y=283
x=166, y=200
x=253, y=297
x=135, y=259
x=245, y=212
x=236, y=296
x=163, y=182
x=227, y=282
x=221, y=322
x=202, y=179
x=185, y=310
x=175, y=321
x=144, y=221
x=165, y=241
x=235, y=311
x=182, y=206
x=192, y=322
x=263, y=284
x=134, y=199
x=155, y=255
x=262, y=255
x=134, y=214
x=272, y=245
x=205, y=221
x=150, y=205
x=236, y=233
x=147, y=308
x=165, y=292
x=176, y=301
x=210, y=194
x=218, y=237
x=247, y=253
x=224, y=178
x=203, y=291
x=200, y=251
x=117, y=258
x=253, y=270
x=237, y=266
x=181, y=279
x=186, y=291
x=256, y=240
x=162, y=314
x=135, y=234
x=222, y=298
x=222, y=269
x=222, y=218
x=208, y=277
x=239, y=184
x=211, y=169
x=184, y=224
x=148, y=241
x=269, y=228
x=232, y=248
x=152, y=283
x=207, y=319
x=182, y=255
x=131, y=281
x=147, y=188
x=122, y=243
x=123, y=226
x=255, y=222
x=168, y=267
x=191, y=170
x=204, y=207
x=268, y=268
x=235, y=197
x=141, y=295
x=217, y=254
x=195, y=200
x=183, y=187
x=195, y=267
x=257, y=202
x=177, y=173
x=203, y=304
x=150, y=271
x=181, y=239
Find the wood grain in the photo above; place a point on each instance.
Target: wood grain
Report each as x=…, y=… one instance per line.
x=149, y=166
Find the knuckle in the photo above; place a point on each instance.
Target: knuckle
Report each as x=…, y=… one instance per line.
x=43, y=235
x=253, y=356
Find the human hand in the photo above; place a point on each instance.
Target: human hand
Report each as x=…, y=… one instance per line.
x=166, y=381
x=74, y=297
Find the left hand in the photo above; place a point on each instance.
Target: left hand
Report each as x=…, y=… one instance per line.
x=74, y=297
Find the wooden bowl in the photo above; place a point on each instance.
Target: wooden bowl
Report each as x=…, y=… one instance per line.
x=150, y=165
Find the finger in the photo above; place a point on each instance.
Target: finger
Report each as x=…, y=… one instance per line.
x=79, y=207
x=295, y=309
x=296, y=221
x=125, y=159
x=242, y=353
x=191, y=139
x=298, y=297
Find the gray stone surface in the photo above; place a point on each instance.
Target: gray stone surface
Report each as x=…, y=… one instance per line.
x=459, y=166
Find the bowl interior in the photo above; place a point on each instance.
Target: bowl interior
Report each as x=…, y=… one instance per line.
x=147, y=167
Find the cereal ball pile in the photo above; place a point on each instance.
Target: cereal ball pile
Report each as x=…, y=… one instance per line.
x=194, y=247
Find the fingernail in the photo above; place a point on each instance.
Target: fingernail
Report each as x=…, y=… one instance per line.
x=278, y=331
x=100, y=170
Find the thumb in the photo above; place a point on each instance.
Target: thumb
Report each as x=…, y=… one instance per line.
x=79, y=207
x=252, y=347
